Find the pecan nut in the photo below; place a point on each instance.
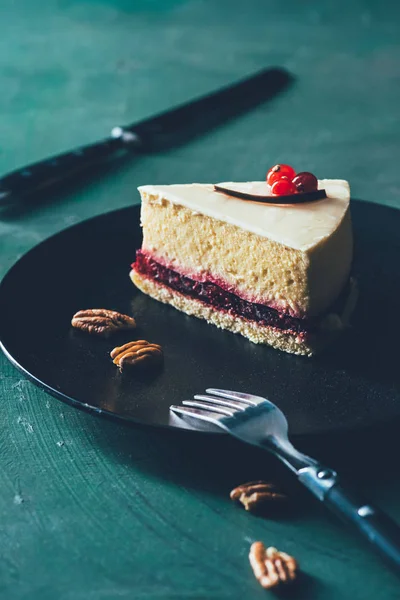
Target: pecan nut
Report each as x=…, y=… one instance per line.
x=258, y=494
x=271, y=567
x=138, y=353
x=101, y=321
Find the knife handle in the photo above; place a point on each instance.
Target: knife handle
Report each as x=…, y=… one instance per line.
x=379, y=529
x=39, y=175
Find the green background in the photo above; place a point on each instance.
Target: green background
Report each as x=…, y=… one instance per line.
x=93, y=510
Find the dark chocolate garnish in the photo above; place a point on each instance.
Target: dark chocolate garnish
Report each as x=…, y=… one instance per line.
x=290, y=199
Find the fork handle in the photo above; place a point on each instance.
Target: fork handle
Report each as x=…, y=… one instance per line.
x=377, y=527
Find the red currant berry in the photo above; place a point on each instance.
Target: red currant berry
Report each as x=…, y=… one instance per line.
x=279, y=171
x=275, y=177
x=305, y=182
x=283, y=187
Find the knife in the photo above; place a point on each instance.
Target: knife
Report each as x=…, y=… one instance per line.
x=163, y=131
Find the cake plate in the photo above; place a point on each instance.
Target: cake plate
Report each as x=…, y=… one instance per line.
x=355, y=384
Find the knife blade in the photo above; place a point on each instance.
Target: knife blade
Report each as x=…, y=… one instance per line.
x=163, y=131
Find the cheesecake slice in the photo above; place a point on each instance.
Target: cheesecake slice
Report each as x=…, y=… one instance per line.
x=277, y=274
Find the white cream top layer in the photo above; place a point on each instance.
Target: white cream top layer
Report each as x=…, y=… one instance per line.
x=298, y=226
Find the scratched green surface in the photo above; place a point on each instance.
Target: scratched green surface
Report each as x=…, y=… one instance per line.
x=91, y=510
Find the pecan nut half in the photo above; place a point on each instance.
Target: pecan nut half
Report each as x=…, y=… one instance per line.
x=271, y=567
x=258, y=494
x=138, y=353
x=101, y=321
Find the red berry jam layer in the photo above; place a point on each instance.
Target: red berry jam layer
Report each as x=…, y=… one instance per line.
x=212, y=294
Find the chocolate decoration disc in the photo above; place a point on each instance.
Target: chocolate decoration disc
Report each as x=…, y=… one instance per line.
x=290, y=199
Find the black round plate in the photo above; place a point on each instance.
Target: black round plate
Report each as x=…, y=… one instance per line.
x=354, y=384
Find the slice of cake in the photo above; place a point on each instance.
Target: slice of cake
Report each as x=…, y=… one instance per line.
x=276, y=273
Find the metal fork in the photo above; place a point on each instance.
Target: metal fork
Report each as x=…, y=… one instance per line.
x=259, y=422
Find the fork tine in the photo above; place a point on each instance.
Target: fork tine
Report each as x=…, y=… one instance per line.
x=231, y=395
x=195, y=413
x=210, y=407
x=221, y=402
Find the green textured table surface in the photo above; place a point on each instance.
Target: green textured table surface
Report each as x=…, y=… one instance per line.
x=90, y=509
